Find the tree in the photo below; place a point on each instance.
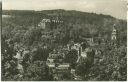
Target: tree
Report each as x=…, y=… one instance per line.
x=84, y=65
x=40, y=54
x=37, y=71
x=71, y=57
x=111, y=65
x=9, y=63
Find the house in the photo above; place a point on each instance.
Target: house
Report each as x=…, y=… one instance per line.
x=62, y=70
x=73, y=71
x=19, y=58
x=56, y=66
x=59, y=70
x=76, y=46
x=63, y=66
x=55, y=57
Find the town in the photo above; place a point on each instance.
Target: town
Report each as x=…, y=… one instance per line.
x=54, y=48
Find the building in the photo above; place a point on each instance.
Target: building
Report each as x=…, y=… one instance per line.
x=63, y=70
x=114, y=33
x=49, y=23
x=64, y=67
x=89, y=41
x=59, y=70
x=44, y=23
x=81, y=49
x=55, y=57
x=19, y=58
x=57, y=67
x=114, y=40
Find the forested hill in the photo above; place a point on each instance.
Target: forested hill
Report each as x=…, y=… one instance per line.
x=89, y=23
x=61, y=14
x=70, y=16
x=21, y=35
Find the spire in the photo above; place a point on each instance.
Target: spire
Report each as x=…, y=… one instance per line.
x=114, y=27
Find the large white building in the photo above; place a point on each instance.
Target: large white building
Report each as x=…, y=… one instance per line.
x=45, y=23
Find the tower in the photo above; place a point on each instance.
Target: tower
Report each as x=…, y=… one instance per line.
x=114, y=33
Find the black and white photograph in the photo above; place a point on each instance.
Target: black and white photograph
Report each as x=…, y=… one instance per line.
x=63, y=40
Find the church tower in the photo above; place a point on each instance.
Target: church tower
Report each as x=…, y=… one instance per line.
x=114, y=33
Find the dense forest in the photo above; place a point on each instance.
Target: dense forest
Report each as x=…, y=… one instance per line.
x=20, y=31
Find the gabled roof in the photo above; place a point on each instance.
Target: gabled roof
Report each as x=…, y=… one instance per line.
x=18, y=56
x=64, y=65
x=51, y=64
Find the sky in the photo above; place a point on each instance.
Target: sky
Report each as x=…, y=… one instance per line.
x=115, y=8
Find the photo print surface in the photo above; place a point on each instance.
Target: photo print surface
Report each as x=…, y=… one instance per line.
x=64, y=40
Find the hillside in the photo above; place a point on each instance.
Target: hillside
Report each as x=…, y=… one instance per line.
x=21, y=35
x=65, y=15
x=89, y=23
